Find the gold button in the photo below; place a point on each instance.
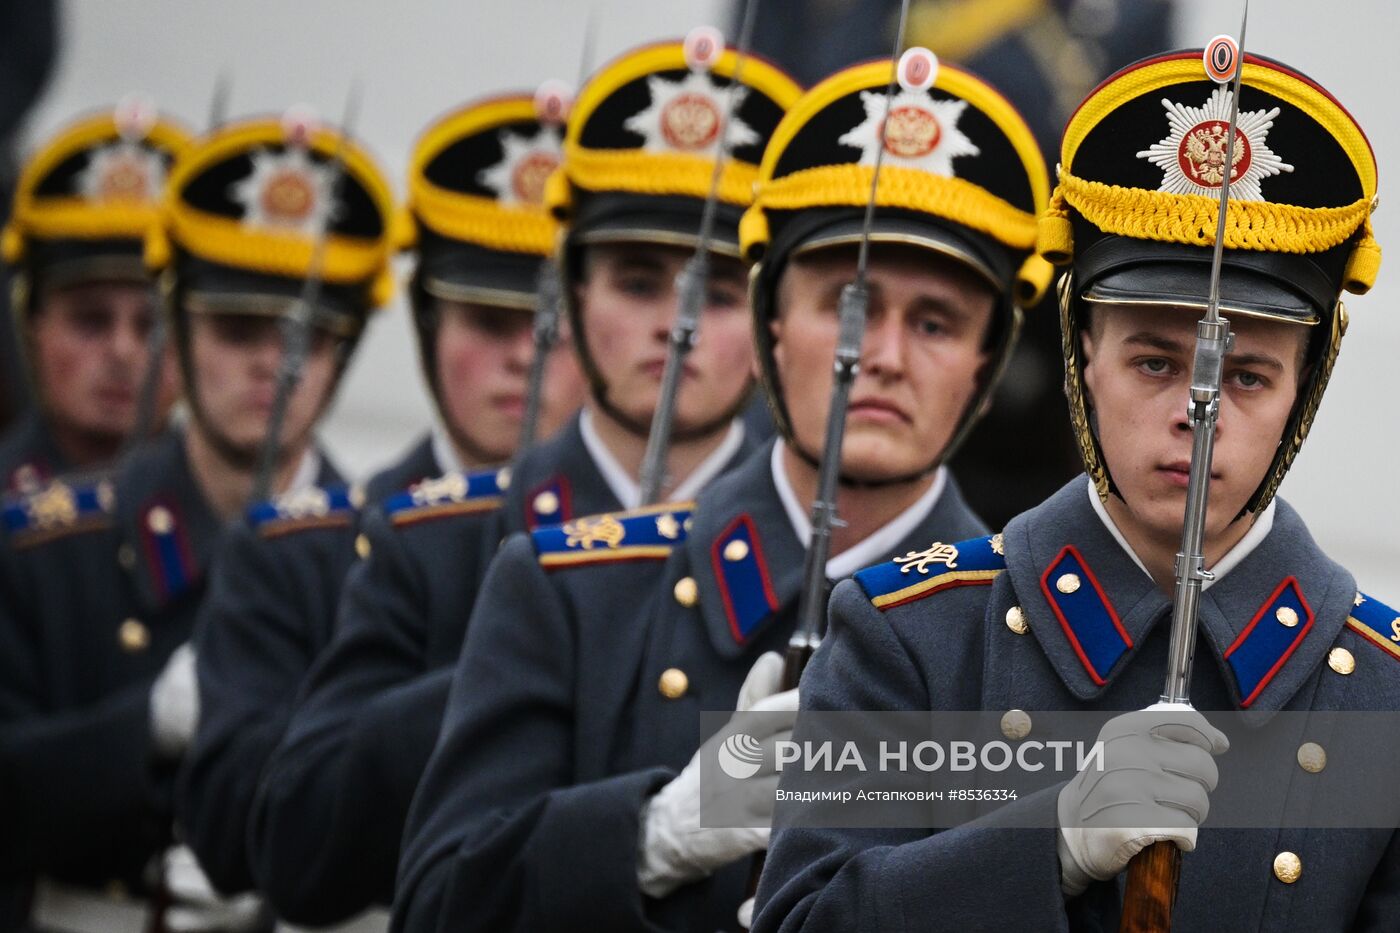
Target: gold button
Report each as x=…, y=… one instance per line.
x=1015, y=724
x=362, y=547
x=736, y=550
x=1341, y=661
x=357, y=496
x=1312, y=758
x=1287, y=616
x=1287, y=867
x=1068, y=583
x=126, y=557
x=1016, y=620
x=159, y=520
x=686, y=592
x=667, y=526
x=503, y=479
x=673, y=683
x=133, y=636
x=546, y=503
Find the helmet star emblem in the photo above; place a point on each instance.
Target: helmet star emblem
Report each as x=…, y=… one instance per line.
x=286, y=191
x=527, y=161
x=922, y=132
x=686, y=115
x=1192, y=156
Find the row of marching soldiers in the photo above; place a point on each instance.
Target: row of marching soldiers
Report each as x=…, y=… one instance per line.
x=469, y=691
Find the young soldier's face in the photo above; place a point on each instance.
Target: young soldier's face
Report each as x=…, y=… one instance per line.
x=920, y=360
x=236, y=358
x=90, y=356
x=1138, y=374
x=483, y=364
x=629, y=299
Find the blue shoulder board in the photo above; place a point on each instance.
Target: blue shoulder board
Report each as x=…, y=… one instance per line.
x=301, y=509
x=922, y=573
x=1376, y=622
x=453, y=493
x=58, y=509
x=643, y=534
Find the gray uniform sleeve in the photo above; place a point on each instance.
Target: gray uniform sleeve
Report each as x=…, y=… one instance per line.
x=1381, y=905
x=74, y=781
x=974, y=877
x=325, y=826
x=501, y=828
x=254, y=641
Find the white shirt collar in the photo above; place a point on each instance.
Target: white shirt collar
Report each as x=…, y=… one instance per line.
x=625, y=487
x=308, y=470
x=1246, y=545
x=443, y=452
x=875, y=547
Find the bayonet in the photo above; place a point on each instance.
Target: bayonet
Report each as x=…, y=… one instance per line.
x=297, y=325
x=156, y=339
x=852, y=309
x=1151, y=882
x=552, y=104
x=705, y=47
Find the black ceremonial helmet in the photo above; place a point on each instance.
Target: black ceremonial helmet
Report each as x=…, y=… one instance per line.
x=1134, y=216
x=639, y=158
x=961, y=177
x=476, y=201
x=84, y=202
x=238, y=229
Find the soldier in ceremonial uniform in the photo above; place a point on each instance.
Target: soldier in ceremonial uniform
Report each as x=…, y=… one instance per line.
x=482, y=233
x=572, y=728
x=83, y=300
x=1070, y=607
x=100, y=581
x=639, y=156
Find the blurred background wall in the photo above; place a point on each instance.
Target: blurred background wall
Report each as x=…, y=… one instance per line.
x=418, y=58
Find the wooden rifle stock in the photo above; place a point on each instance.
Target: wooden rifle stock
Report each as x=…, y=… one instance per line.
x=1150, y=892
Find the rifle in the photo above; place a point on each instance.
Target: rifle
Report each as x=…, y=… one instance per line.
x=916, y=68
x=549, y=292
x=156, y=339
x=296, y=327
x=1153, y=872
x=552, y=103
x=704, y=46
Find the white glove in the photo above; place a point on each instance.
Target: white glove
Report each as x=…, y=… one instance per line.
x=196, y=907
x=746, y=914
x=673, y=849
x=1158, y=772
x=175, y=703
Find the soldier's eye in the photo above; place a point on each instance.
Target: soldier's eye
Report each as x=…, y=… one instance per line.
x=639, y=286
x=1249, y=380
x=723, y=297
x=91, y=322
x=929, y=326
x=1155, y=366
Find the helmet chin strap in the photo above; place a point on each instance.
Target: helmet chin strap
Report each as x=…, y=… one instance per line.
x=242, y=457
x=679, y=433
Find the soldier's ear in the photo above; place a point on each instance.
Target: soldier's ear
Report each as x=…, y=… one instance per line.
x=1087, y=348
